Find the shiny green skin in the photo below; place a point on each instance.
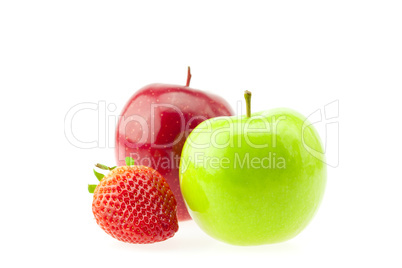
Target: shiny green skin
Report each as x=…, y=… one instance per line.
x=255, y=204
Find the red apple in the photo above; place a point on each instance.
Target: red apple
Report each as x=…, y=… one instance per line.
x=155, y=123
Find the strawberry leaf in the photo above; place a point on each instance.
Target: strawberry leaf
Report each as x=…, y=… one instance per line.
x=98, y=175
x=129, y=161
x=91, y=188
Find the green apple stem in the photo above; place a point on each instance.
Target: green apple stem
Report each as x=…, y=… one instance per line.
x=188, y=77
x=247, y=96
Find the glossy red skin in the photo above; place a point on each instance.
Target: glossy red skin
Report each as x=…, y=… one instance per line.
x=165, y=145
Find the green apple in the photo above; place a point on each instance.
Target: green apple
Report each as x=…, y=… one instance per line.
x=254, y=179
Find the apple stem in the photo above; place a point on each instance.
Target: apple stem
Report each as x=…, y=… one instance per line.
x=247, y=96
x=188, y=77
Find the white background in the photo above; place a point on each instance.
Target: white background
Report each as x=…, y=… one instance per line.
x=297, y=54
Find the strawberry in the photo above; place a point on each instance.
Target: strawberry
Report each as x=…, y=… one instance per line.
x=134, y=204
